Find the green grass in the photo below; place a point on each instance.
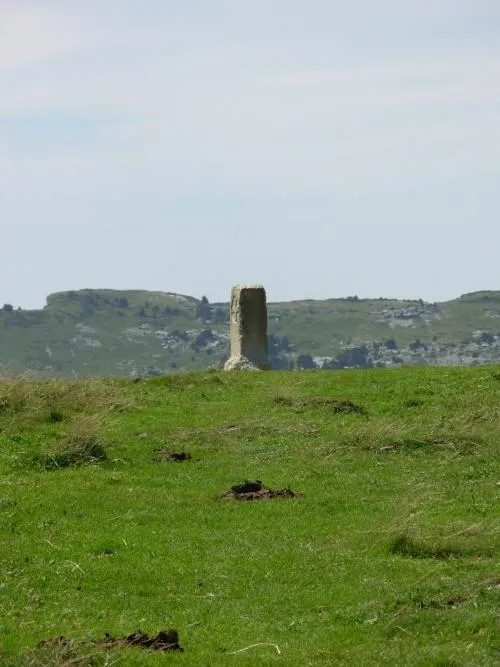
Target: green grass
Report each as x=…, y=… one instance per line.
x=389, y=558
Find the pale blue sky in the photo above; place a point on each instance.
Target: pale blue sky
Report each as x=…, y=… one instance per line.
x=321, y=148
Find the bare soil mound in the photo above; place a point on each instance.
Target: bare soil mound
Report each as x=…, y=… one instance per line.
x=255, y=490
x=165, y=640
x=161, y=455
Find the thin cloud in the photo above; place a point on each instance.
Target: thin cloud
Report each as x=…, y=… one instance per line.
x=145, y=122
x=34, y=36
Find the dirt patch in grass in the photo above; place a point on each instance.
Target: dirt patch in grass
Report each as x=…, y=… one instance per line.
x=255, y=490
x=162, y=455
x=335, y=405
x=66, y=650
x=165, y=641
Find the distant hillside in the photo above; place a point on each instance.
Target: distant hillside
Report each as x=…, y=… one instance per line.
x=136, y=333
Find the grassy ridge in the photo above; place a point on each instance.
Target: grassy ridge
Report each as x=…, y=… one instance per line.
x=390, y=557
x=129, y=333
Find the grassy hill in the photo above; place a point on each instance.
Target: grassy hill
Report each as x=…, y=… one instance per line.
x=386, y=555
x=138, y=333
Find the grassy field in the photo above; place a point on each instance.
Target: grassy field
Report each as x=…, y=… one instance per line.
x=389, y=557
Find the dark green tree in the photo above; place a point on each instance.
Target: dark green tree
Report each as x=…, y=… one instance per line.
x=305, y=361
x=204, y=310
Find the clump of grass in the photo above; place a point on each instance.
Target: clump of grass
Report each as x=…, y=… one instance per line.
x=58, y=650
x=15, y=395
x=55, y=416
x=403, y=545
x=409, y=444
x=412, y=403
x=25, y=402
x=335, y=405
x=388, y=438
x=81, y=445
x=437, y=603
x=61, y=652
x=435, y=597
x=279, y=399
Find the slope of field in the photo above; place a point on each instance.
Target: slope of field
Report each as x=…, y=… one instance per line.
x=386, y=555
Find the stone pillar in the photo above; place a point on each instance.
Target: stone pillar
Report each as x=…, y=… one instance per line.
x=248, y=329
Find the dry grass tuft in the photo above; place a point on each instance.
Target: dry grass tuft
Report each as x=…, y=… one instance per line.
x=80, y=445
x=55, y=401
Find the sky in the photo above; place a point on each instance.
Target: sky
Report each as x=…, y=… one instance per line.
x=321, y=148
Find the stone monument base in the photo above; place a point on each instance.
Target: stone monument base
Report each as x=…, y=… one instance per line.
x=244, y=364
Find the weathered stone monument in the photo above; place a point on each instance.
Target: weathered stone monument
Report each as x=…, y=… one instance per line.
x=248, y=331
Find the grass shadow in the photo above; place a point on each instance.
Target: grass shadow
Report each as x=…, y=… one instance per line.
x=384, y=442
x=326, y=403
x=408, y=547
